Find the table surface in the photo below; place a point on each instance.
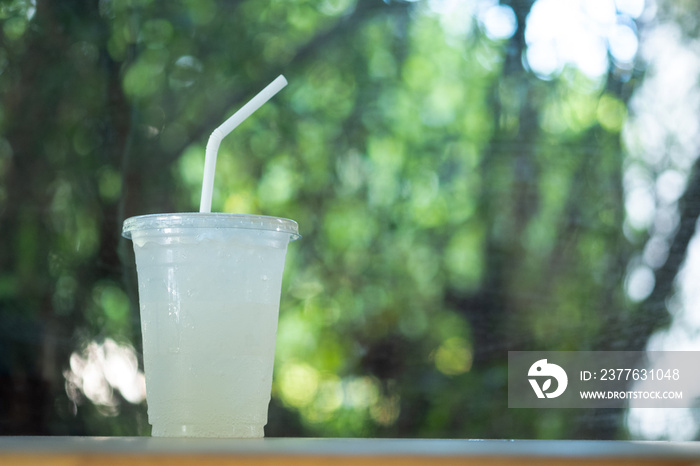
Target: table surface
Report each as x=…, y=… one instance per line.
x=309, y=451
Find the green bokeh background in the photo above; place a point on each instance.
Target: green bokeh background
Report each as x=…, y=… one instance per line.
x=454, y=206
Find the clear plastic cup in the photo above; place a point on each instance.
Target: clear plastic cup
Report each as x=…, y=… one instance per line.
x=209, y=292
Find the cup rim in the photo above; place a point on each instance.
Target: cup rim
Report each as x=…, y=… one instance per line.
x=210, y=220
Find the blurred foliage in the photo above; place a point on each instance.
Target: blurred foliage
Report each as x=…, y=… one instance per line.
x=454, y=206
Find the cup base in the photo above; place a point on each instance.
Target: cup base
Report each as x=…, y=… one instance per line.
x=194, y=430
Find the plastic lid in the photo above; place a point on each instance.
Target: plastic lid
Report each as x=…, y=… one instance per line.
x=210, y=220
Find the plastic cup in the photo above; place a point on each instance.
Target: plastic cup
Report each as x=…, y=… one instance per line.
x=209, y=293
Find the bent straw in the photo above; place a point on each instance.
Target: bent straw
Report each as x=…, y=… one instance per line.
x=222, y=131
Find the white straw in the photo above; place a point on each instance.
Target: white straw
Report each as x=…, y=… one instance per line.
x=226, y=127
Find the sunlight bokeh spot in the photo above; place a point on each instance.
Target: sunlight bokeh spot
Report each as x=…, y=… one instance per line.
x=453, y=357
x=298, y=383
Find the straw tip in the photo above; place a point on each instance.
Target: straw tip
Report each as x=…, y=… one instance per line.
x=282, y=80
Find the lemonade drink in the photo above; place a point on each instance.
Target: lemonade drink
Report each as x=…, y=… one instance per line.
x=209, y=292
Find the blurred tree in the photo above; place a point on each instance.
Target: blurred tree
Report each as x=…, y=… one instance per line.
x=456, y=202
